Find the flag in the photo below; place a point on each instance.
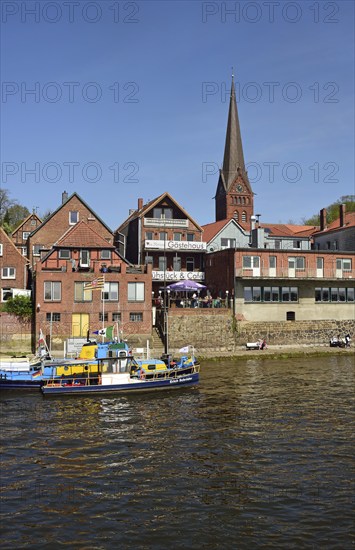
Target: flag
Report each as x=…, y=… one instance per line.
x=41, y=340
x=96, y=284
x=107, y=332
x=184, y=350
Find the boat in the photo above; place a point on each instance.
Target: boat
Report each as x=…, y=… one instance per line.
x=30, y=375
x=119, y=372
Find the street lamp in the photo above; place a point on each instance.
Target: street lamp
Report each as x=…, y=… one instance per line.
x=227, y=293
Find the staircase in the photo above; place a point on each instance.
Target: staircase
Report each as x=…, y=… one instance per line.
x=157, y=345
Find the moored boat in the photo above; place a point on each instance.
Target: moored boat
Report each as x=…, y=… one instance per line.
x=30, y=375
x=121, y=373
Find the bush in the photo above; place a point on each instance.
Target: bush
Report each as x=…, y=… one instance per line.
x=21, y=306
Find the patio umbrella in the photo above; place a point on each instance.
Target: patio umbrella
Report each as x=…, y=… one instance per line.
x=186, y=286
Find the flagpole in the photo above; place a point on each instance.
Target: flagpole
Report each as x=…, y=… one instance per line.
x=103, y=313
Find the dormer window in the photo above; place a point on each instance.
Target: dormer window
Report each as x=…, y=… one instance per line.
x=73, y=217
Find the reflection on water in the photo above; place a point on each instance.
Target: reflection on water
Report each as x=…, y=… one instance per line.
x=259, y=455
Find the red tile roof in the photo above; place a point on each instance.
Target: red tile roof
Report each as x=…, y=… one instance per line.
x=349, y=221
x=82, y=236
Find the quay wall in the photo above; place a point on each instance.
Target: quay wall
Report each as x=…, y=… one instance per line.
x=211, y=332
x=219, y=332
x=15, y=336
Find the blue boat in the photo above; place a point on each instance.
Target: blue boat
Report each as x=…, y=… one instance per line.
x=121, y=373
x=27, y=375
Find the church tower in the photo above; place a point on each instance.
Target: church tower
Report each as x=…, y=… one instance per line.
x=234, y=196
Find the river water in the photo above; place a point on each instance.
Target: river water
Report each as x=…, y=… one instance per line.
x=260, y=455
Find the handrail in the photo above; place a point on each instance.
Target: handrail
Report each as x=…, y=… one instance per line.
x=149, y=376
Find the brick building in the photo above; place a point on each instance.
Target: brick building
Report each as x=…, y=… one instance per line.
x=163, y=235
x=274, y=272
x=72, y=210
x=65, y=308
x=23, y=230
x=13, y=269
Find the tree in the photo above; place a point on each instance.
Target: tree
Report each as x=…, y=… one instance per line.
x=5, y=203
x=333, y=210
x=21, y=306
x=16, y=214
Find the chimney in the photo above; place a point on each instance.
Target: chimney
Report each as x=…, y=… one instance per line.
x=342, y=208
x=64, y=197
x=323, y=219
x=140, y=204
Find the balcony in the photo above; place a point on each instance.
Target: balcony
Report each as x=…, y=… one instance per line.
x=165, y=222
x=286, y=273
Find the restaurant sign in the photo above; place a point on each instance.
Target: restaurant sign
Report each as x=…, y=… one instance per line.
x=176, y=245
x=173, y=276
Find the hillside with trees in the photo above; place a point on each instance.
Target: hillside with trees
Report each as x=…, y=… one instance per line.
x=333, y=210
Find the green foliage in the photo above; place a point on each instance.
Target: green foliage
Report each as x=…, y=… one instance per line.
x=333, y=210
x=11, y=213
x=21, y=306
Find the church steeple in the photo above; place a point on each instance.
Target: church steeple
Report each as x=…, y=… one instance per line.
x=233, y=149
x=234, y=196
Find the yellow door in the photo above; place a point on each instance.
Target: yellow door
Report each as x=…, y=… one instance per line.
x=79, y=324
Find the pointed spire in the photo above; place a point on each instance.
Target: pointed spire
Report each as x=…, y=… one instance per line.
x=233, y=150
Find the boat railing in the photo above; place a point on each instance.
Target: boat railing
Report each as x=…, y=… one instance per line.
x=168, y=373
x=139, y=374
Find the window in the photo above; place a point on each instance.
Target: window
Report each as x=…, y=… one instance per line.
x=84, y=258
x=110, y=292
x=177, y=236
x=105, y=254
x=344, y=264
x=50, y=317
x=300, y=263
x=116, y=317
x=136, y=292
x=6, y=293
x=248, y=295
x=36, y=249
x=103, y=317
x=275, y=294
x=190, y=264
x=190, y=237
x=227, y=243
x=149, y=260
x=296, y=244
x=64, y=254
x=251, y=261
x=149, y=235
x=136, y=317
x=177, y=263
x=25, y=235
x=289, y=294
x=163, y=212
x=0, y=249
x=163, y=236
x=73, y=217
x=52, y=291
x=8, y=273
x=320, y=263
x=272, y=262
x=244, y=216
x=277, y=244
x=334, y=294
x=256, y=294
x=80, y=294
x=162, y=263
x=33, y=222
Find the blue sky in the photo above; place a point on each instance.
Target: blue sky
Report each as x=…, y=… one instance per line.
x=130, y=99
